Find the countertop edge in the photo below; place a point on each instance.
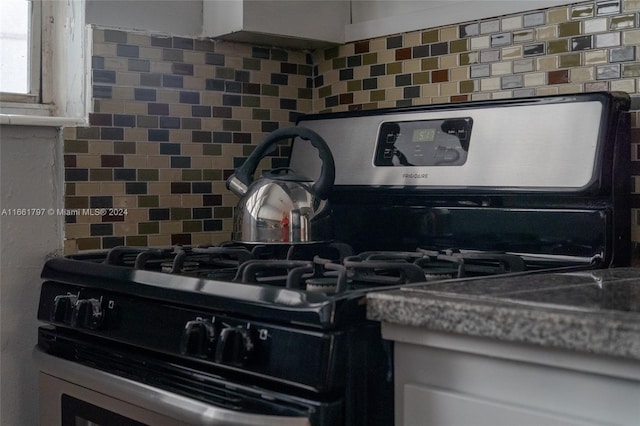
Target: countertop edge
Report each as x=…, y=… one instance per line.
x=600, y=333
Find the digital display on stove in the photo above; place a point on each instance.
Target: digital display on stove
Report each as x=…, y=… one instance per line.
x=424, y=135
x=424, y=143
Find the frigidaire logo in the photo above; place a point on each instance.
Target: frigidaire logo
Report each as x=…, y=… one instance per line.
x=415, y=175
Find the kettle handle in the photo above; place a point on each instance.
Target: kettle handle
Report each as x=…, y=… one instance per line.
x=320, y=188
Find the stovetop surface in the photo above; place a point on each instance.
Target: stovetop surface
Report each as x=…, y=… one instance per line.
x=316, y=284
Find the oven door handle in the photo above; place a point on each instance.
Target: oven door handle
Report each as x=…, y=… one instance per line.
x=184, y=410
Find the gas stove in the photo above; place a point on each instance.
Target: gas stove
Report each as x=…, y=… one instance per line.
x=276, y=333
x=320, y=276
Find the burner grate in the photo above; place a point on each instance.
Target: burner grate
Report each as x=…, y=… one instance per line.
x=326, y=268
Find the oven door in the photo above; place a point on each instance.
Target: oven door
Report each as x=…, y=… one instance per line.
x=73, y=394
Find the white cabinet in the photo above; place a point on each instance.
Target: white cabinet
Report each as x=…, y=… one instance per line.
x=286, y=23
x=443, y=407
x=444, y=379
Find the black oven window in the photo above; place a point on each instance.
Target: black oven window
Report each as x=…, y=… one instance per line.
x=80, y=413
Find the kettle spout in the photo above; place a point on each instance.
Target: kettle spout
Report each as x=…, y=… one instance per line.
x=236, y=186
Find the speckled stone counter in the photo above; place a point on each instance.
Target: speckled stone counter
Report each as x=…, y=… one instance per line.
x=595, y=312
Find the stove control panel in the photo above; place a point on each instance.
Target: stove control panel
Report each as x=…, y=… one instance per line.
x=215, y=339
x=424, y=143
x=259, y=348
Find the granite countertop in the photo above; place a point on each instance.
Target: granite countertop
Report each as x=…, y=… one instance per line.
x=595, y=311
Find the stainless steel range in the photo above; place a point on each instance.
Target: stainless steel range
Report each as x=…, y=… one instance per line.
x=276, y=333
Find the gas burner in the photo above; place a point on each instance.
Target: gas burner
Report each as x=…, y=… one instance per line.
x=334, y=251
x=435, y=264
x=419, y=265
x=272, y=263
x=186, y=267
x=373, y=269
x=278, y=272
x=329, y=277
x=318, y=275
x=485, y=262
x=240, y=254
x=384, y=268
x=178, y=259
x=322, y=285
x=136, y=257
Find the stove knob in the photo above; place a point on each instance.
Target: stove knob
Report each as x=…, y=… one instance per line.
x=63, y=308
x=87, y=313
x=234, y=346
x=198, y=338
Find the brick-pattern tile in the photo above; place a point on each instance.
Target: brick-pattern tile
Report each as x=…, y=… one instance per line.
x=164, y=108
x=600, y=39
x=174, y=116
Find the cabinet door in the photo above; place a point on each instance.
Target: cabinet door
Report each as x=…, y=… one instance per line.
x=430, y=406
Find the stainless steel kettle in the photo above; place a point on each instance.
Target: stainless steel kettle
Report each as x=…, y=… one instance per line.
x=281, y=206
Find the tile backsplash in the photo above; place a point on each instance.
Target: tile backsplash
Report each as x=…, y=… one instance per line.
x=584, y=47
x=174, y=116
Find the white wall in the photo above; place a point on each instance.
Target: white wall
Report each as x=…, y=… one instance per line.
x=30, y=177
